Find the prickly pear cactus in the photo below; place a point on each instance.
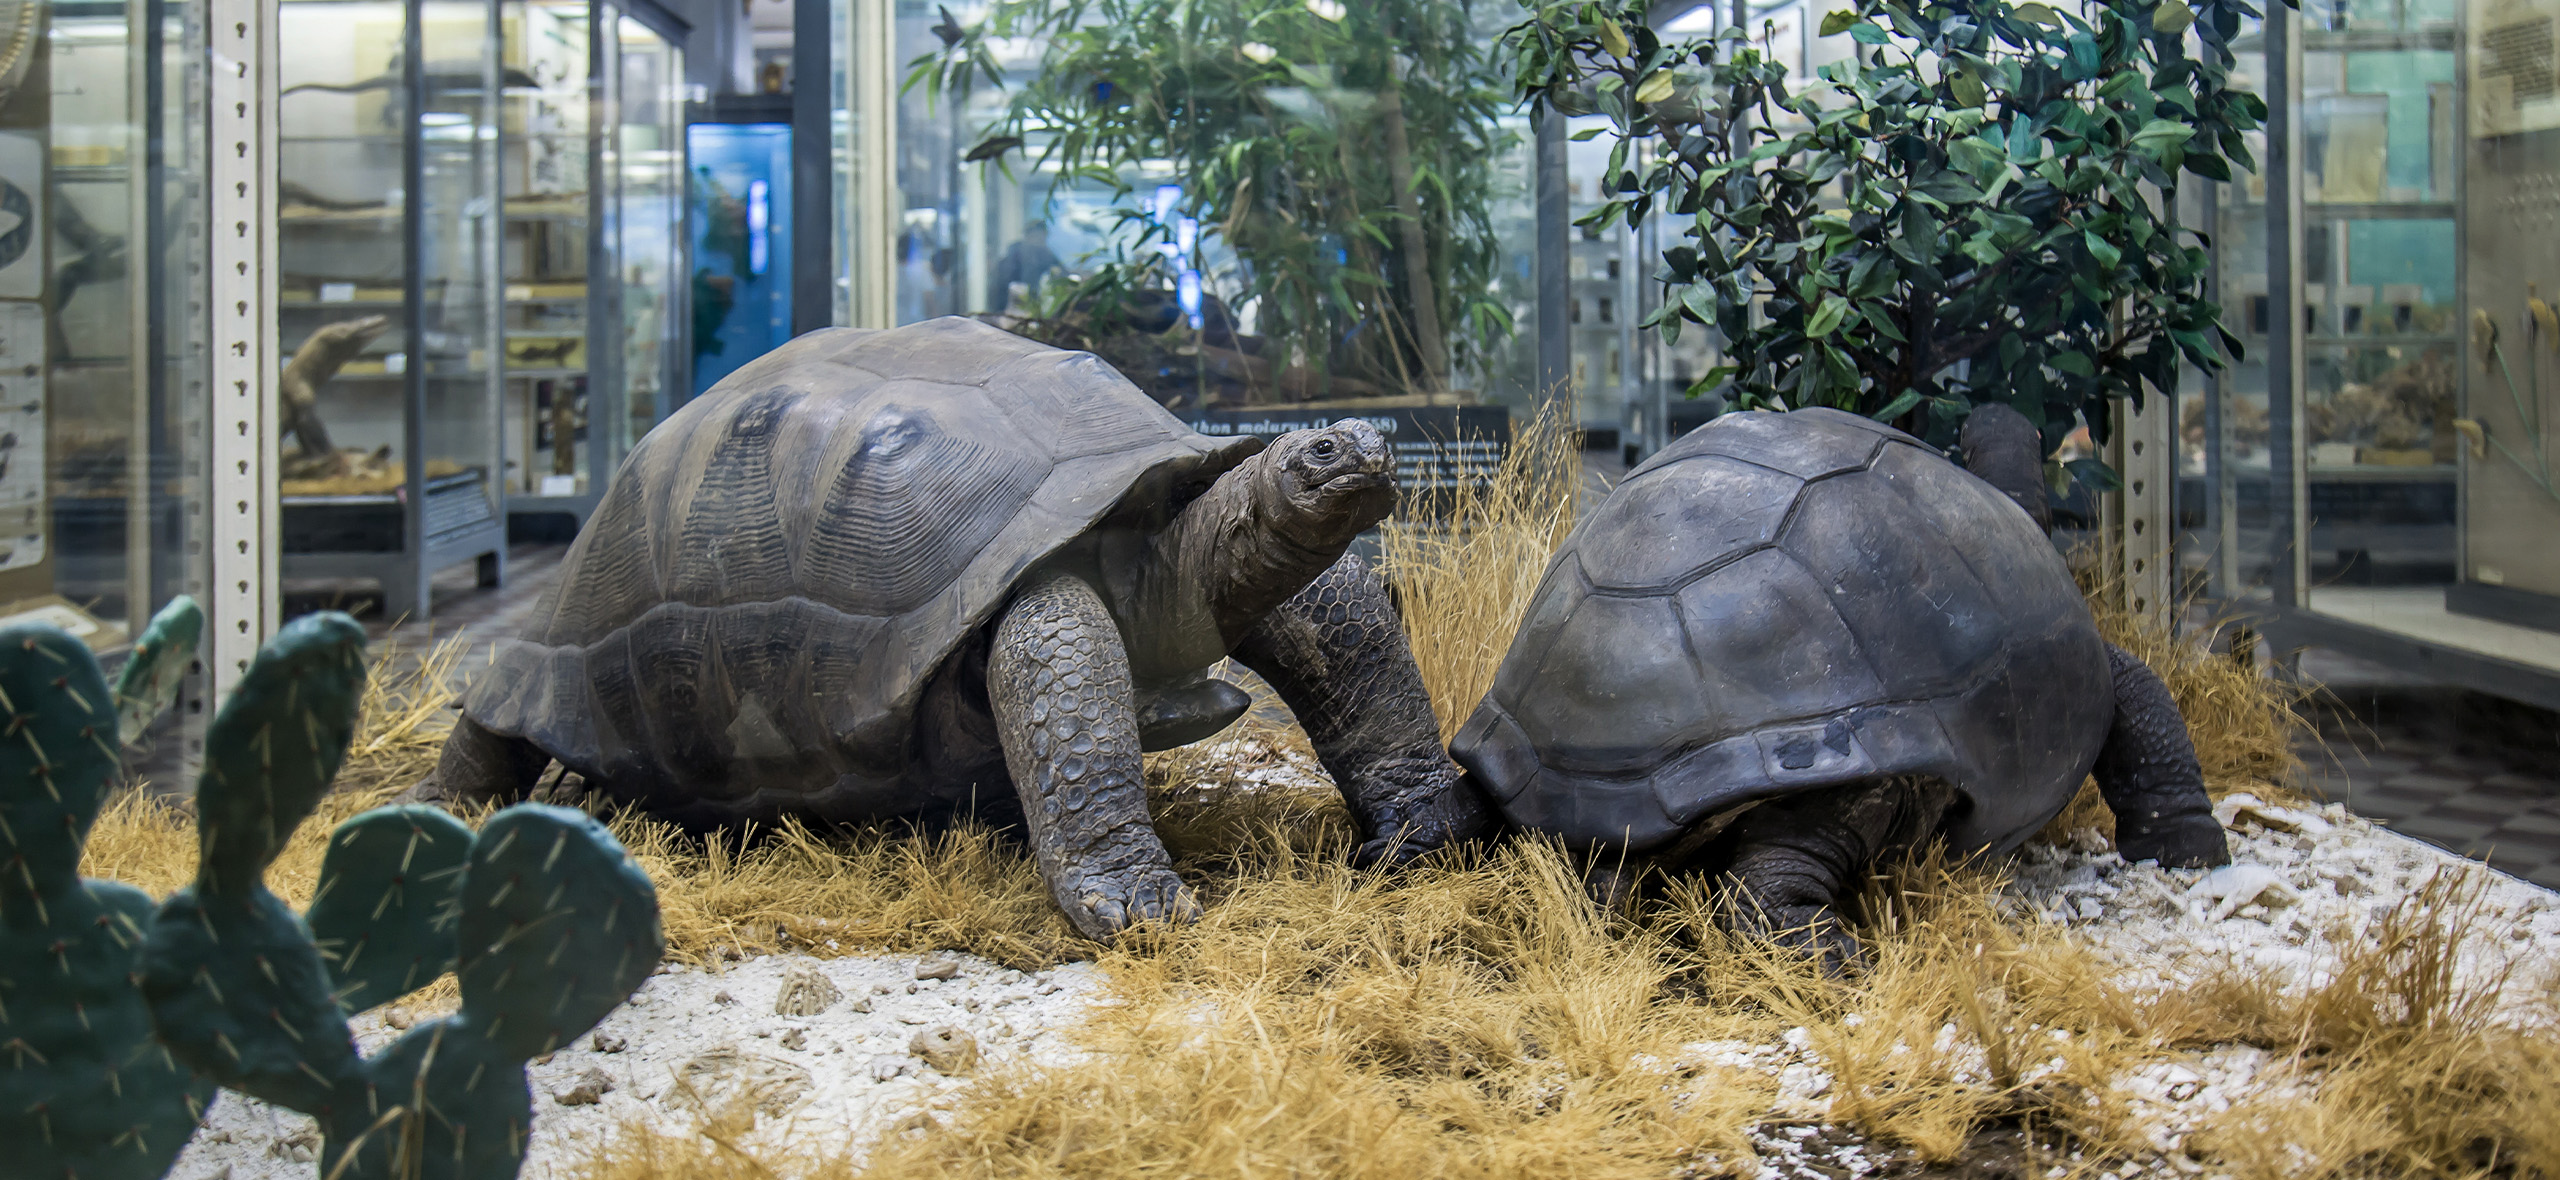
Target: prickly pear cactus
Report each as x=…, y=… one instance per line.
x=85, y=1093
x=548, y=924
x=157, y=666
x=383, y=915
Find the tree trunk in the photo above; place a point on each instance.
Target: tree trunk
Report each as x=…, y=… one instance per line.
x=1417, y=249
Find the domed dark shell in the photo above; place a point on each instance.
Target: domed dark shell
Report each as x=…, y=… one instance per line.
x=1780, y=602
x=744, y=626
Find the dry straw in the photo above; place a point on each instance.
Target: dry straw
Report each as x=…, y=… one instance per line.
x=1479, y=1016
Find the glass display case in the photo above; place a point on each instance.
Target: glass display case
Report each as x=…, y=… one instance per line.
x=2366, y=479
x=594, y=244
x=388, y=166
x=103, y=426
x=1330, y=227
x=459, y=287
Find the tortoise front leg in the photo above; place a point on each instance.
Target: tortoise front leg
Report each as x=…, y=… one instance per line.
x=478, y=765
x=1337, y=654
x=1058, y=683
x=2148, y=774
x=1787, y=860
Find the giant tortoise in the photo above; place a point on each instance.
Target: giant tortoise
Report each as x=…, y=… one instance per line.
x=1790, y=642
x=940, y=568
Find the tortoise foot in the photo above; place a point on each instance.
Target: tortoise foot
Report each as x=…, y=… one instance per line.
x=1818, y=935
x=1104, y=904
x=2184, y=841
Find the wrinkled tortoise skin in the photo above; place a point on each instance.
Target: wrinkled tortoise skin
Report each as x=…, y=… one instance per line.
x=750, y=623
x=1784, y=603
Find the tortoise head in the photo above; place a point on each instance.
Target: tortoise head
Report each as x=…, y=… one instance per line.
x=1263, y=531
x=1327, y=485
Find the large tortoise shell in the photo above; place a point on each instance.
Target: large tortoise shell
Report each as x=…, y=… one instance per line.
x=744, y=626
x=1785, y=601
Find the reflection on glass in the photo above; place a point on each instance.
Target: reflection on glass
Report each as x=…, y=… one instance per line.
x=545, y=247
x=648, y=218
x=739, y=311
x=89, y=416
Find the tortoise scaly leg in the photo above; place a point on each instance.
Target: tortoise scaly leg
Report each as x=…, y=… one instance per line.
x=479, y=765
x=1337, y=654
x=2149, y=776
x=1058, y=683
x=1787, y=860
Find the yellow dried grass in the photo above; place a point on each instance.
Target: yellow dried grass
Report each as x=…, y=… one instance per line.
x=1479, y=1016
x=1463, y=579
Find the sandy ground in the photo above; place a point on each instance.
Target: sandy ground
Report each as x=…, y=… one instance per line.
x=853, y=1065
x=697, y=1040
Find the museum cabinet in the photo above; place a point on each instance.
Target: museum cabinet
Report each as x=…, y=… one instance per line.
x=2375, y=475
x=478, y=301
x=102, y=317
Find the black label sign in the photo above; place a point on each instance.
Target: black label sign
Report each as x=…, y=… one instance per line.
x=1435, y=446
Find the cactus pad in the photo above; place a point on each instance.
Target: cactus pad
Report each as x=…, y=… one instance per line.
x=85, y=1094
x=383, y=916
x=157, y=666
x=549, y=922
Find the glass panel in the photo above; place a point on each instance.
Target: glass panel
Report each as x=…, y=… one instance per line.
x=457, y=365
x=545, y=247
x=342, y=272
x=740, y=203
x=101, y=322
x=2506, y=597
x=649, y=220
x=1311, y=207
x=68, y=453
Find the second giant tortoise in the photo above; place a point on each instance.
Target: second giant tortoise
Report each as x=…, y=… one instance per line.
x=941, y=568
x=1792, y=641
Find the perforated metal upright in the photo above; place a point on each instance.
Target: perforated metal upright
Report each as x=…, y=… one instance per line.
x=241, y=284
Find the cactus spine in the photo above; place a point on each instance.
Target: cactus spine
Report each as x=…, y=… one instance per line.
x=85, y=1093
x=547, y=922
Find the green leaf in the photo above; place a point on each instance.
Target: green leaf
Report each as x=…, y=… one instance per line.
x=2037, y=14
x=1613, y=38
x=2171, y=18
x=1586, y=134
x=1900, y=405
x=2075, y=363
x=1836, y=23
x=1966, y=88
x=1866, y=33
x=1826, y=317
x=1656, y=87
x=2100, y=249
x=2023, y=144
x=2160, y=133
x=2095, y=475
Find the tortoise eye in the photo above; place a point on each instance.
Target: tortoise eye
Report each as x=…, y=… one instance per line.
x=1324, y=450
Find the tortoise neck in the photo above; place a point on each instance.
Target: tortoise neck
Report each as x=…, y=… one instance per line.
x=1223, y=562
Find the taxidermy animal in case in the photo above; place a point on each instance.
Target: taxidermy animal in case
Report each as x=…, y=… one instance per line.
x=936, y=568
x=1792, y=642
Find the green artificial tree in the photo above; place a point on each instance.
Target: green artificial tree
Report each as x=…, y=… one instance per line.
x=1342, y=151
x=1976, y=206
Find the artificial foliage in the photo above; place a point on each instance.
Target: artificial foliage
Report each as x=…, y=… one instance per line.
x=546, y=922
x=1343, y=152
x=86, y=1093
x=1975, y=206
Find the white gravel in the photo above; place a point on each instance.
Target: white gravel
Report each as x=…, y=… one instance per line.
x=694, y=1037
x=2301, y=879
